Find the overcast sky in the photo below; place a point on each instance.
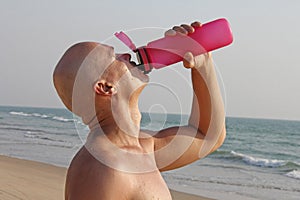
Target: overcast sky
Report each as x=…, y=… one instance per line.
x=260, y=70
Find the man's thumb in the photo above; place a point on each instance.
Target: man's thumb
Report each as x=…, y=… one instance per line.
x=188, y=60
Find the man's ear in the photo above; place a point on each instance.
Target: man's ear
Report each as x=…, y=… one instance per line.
x=104, y=88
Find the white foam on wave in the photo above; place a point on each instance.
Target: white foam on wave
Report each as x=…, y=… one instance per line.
x=293, y=174
x=29, y=134
x=57, y=118
x=20, y=113
x=261, y=162
x=62, y=119
x=28, y=114
x=39, y=115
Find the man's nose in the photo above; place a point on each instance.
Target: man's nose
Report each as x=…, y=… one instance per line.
x=125, y=56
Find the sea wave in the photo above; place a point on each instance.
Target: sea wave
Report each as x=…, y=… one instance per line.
x=261, y=162
x=43, y=116
x=28, y=114
x=20, y=113
x=27, y=130
x=61, y=119
x=42, y=139
x=30, y=134
x=255, y=161
x=293, y=174
x=66, y=145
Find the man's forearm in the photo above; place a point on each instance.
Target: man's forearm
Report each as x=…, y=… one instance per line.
x=208, y=114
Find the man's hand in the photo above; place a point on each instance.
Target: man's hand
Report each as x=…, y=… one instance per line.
x=189, y=61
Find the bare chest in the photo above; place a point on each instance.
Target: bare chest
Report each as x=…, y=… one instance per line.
x=150, y=186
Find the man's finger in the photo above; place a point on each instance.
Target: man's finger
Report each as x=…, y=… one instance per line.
x=170, y=32
x=180, y=30
x=188, y=60
x=196, y=24
x=188, y=28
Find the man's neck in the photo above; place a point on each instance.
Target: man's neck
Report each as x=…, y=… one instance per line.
x=122, y=129
x=119, y=149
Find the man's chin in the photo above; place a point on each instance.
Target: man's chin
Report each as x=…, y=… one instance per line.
x=137, y=73
x=145, y=79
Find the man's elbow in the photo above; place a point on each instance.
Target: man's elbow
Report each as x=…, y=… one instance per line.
x=220, y=140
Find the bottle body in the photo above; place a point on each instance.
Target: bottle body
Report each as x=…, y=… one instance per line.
x=171, y=49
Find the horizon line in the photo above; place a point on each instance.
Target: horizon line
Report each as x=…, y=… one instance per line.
x=172, y=113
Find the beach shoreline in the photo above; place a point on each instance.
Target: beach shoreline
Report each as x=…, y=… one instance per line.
x=30, y=180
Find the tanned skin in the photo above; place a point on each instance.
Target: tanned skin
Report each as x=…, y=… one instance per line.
x=119, y=161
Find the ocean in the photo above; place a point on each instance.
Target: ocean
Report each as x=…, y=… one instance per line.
x=260, y=158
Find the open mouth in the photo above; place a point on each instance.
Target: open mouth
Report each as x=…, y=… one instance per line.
x=138, y=66
x=133, y=63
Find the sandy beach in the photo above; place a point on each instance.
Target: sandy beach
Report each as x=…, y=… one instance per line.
x=29, y=180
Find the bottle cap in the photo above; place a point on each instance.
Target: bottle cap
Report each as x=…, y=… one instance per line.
x=126, y=40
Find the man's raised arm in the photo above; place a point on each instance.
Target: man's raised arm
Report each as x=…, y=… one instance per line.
x=178, y=146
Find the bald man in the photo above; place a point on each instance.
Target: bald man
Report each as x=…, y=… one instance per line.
x=119, y=161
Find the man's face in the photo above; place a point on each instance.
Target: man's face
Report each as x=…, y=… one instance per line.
x=124, y=74
x=121, y=66
x=132, y=67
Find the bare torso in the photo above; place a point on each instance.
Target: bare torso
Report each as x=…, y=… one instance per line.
x=88, y=178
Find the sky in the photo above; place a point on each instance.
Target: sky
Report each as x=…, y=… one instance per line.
x=258, y=73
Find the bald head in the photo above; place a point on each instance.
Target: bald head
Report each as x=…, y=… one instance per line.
x=66, y=70
x=77, y=70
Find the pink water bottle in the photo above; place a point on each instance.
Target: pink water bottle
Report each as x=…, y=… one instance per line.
x=171, y=49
